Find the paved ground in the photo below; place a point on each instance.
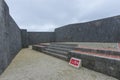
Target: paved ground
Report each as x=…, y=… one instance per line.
x=32, y=65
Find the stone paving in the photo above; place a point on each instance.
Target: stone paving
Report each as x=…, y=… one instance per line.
x=33, y=65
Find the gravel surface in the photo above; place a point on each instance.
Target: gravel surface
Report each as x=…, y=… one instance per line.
x=33, y=65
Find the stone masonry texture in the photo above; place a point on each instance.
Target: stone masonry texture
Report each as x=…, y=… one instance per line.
x=14, y=38
x=10, y=37
x=40, y=37
x=104, y=30
x=107, y=66
x=24, y=36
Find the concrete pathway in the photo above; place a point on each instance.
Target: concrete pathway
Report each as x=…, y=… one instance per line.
x=33, y=65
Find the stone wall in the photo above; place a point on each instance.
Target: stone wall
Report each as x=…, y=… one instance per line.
x=14, y=38
x=10, y=37
x=3, y=35
x=24, y=35
x=40, y=37
x=104, y=30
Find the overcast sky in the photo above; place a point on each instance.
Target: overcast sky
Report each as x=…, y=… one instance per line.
x=46, y=15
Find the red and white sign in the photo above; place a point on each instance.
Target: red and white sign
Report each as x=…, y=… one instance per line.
x=118, y=46
x=75, y=62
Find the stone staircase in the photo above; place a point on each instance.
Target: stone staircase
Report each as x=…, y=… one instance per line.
x=110, y=53
x=58, y=50
x=106, y=61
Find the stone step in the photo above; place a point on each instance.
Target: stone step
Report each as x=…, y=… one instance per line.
x=107, y=56
x=38, y=47
x=60, y=52
x=99, y=51
x=73, y=45
x=59, y=48
x=109, y=65
x=56, y=55
x=62, y=46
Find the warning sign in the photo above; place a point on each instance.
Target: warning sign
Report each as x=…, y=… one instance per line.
x=75, y=62
x=118, y=46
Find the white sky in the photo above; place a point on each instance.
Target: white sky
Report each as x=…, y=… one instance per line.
x=46, y=15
